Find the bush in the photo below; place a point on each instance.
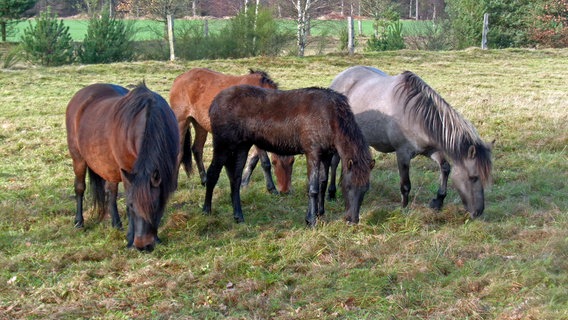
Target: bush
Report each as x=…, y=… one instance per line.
x=389, y=39
x=10, y=58
x=550, y=28
x=508, y=22
x=246, y=35
x=107, y=40
x=48, y=42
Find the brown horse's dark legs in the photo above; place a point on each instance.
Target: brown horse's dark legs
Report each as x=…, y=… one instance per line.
x=130, y=232
x=234, y=167
x=80, y=169
x=112, y=192
x=197, y=149
x=323, y=178
x=266, y=167
x=313, y=191
x=403, y=162
x=332, y=190
x=445, y=169
x=219, y=159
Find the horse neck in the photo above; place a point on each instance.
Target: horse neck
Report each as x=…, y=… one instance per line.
x=443, y=124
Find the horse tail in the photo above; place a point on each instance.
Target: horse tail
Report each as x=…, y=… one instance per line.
x=186, y=152
x=97, y=185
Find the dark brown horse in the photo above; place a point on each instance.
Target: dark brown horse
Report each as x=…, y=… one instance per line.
x=190, y=98
x=124, y=136
x=314, y=121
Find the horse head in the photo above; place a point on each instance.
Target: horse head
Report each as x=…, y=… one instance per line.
x=470, y=176
x=283, y=166
x=145, y=206
x=354, y=184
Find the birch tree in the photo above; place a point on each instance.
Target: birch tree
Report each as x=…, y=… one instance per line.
x=304, y=10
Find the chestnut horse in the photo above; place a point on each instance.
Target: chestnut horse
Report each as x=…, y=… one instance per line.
x=124, y=136
x=402, y=114
x=312, y=121
x=190, y=98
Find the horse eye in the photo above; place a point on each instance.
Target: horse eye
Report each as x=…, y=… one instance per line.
x=473, y=179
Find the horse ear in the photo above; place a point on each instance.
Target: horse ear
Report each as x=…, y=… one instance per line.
x=372, y=164
x=155, y=180
x=471, y=152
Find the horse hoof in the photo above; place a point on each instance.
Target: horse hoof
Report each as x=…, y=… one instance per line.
x=436, y=204
x=239, y=219
x=79, y=225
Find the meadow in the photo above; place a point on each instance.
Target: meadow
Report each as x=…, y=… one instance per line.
x=146, y=29
x=414, y=263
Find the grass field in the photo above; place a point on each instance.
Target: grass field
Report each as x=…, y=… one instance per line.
x=151, y=30
x=512, y=263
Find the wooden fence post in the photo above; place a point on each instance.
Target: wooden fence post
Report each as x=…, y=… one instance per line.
x=350, y=36
x=171, y=36
x=485, y=31
x=206, y=28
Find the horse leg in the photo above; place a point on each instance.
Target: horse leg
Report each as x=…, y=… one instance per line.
x=266, y=166
x=445, y=168
x=323, y=176
x=220, y=155
x=130, y=232
x=332, y=190
x=197, y=149
x=112, y=193
x=234, y=168
x=251, y=164
x=313, y=189
x=403, y=161
x=80, y=169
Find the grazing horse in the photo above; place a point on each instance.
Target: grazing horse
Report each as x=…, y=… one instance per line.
x=190, y=98
x=312, y=121
x=402, y=114
x=124, y=136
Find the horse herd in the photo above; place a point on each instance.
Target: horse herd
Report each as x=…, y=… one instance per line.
x=135, y=137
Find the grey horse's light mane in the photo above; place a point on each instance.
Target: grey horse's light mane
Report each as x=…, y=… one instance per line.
x=454, y=134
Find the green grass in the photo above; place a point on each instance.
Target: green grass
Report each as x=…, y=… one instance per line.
x=415, y=263
x=151, y=30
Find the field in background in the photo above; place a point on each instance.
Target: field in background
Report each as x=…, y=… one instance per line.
x=152, y=30
x=416, y=263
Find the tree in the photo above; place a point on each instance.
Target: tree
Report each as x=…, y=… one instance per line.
x=48, y=42
x=304, y=10
x=11, y=10
x=107, y=40
x=550, y=27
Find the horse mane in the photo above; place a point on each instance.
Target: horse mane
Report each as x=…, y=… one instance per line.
x=264, y=78
x=358, y=151
x=158, y=150
x=443, y=123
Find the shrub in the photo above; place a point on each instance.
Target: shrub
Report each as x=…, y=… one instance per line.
x=48, y=42
x=10, y=58
x=107, y=40
x=550, y=28
x=389, y=39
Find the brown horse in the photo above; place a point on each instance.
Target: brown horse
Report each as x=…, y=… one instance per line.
x=124, y=136
x=190, y=98
x=313, y=121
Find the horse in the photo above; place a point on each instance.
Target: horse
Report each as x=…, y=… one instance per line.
x=117, y=135
x=403, y=114
x=190, y=98
x=316, y=122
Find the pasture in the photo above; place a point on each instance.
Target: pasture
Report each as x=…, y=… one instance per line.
x=151, y=30
x=512, y=263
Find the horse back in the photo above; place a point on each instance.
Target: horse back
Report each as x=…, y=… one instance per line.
x=283, y=122
x=90, y=122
